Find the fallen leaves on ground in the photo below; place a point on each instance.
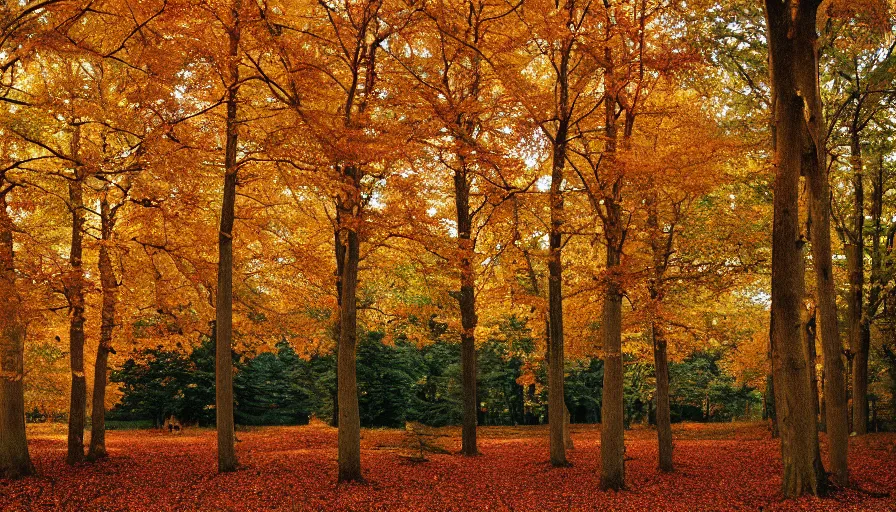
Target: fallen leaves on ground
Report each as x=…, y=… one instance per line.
x=718, y=467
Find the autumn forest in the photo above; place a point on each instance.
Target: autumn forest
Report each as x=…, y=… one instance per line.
x=447, y=254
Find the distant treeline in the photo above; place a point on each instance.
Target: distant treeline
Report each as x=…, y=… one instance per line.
x=403, y=382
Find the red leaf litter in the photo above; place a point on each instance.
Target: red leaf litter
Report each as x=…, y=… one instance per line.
x=718, y=467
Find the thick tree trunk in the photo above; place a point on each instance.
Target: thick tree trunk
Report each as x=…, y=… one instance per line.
x=14, y=459
x=227, y=460
x=467, y=302
x=612, y=432
x=109, y=285
x=349, y=437
x=792, y=37
x=75, y=294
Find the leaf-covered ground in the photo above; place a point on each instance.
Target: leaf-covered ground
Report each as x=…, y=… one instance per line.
x=719, y=467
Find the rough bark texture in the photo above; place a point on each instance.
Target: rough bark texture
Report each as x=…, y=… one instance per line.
x=556, y=396
x=227, y=460
x=14, y=459
x=74, y=291
x=349, y=437
x=791, y=31
x=109, y=285
x=467, y=302
x=612, y=432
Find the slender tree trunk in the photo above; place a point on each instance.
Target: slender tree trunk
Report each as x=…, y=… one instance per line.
x=536, y=289
x=860, y=370
x=556, y=395
x=14, y=459
x=860, y=380
x=109, y=286
x=75, y=295
x=815, y=166
x=663, y=414
x=467, y=302
x=792, y=37
x=349, y=415
x=855, y=262
x=661, y=248
x=227, y=460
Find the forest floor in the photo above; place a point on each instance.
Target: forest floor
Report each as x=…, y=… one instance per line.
x=718, y=467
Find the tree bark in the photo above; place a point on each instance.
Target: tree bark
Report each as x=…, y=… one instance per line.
x=349, y=437
x=855, y=262
x=663, y=413
x=556, y=357
x=792, y=55
x=15, y=461
x=815, y=166
x=860, y=377
x=612, y=432
x=536, y=290
x=227, y=460
x=75, y=294
x=661, y=248
x=467, y=303
x=109, y=285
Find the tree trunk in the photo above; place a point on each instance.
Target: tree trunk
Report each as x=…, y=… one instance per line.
x=556, y=358
x=792, y=38
x=612, y=432
x=109, y=285
x=14, y=459
x=349, y=415
x=339, y=248
x=855, y=262
x=663, y=414
x=661, y=248
x=467, y=302
x=227, y=460
x=612, y=442
x=874, y=301
x=536, y=290
x=860, y=379
x=75, y=294
x=815, y=166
